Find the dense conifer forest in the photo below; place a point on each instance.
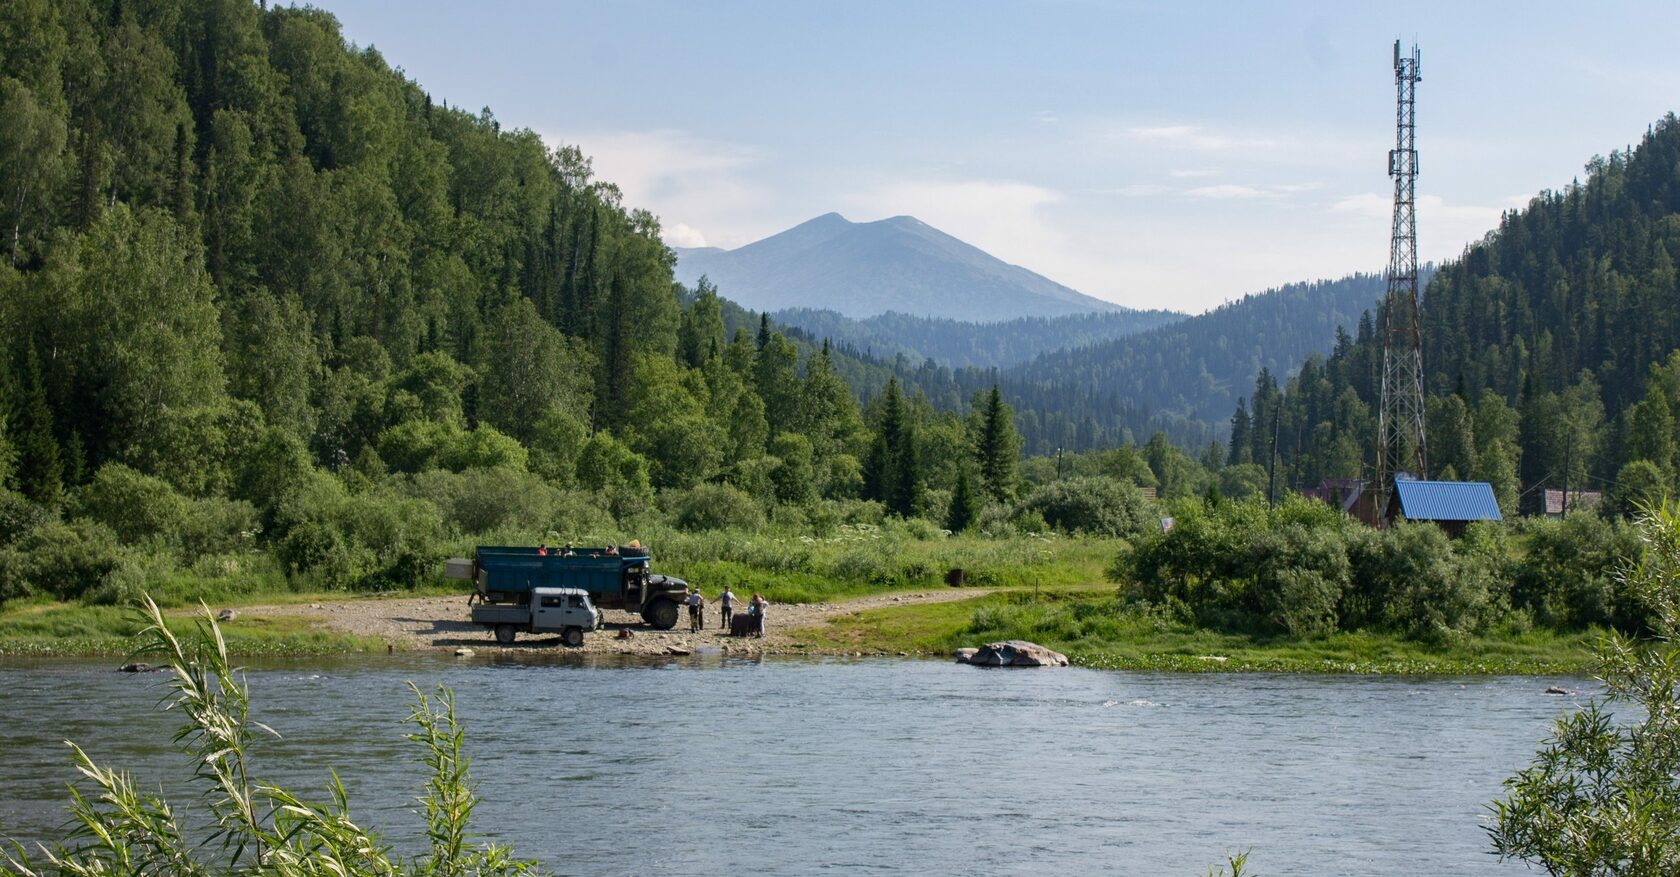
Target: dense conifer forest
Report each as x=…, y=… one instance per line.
x=1549, y=351
x=260, y=289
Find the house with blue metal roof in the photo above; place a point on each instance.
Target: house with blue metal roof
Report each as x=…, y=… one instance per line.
x=1451, y=505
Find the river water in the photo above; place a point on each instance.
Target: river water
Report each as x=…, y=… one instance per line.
x=708, y=765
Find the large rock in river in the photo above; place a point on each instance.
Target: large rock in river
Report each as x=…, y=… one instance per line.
x=1012, y=653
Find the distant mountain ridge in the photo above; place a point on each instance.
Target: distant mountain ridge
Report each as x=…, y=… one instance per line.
x=863, y=269
x=961, y=344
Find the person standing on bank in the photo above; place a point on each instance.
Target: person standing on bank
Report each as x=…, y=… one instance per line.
x=726, y=607
x=693, y=602
x=758, y=606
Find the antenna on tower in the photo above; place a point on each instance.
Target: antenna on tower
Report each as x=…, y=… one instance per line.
x=1400, y=441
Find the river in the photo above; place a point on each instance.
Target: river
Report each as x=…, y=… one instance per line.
x=708, y=765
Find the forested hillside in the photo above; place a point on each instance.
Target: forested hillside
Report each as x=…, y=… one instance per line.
x=1548, y=347
x=261, y=292
x=967, y=344
x=1182, y=377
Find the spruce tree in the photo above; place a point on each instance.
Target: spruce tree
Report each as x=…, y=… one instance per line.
x=880, y=469
x=997, y=448
x=40, y=473
x=1241, y=452
x=907, y=475
x=964, y=505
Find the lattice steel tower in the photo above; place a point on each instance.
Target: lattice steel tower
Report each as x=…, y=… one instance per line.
x=1400, y=444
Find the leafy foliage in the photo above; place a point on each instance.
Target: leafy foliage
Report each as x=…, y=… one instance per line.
x=1601, y=796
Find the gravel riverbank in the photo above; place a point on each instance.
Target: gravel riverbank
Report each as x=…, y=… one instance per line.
x=441, y=623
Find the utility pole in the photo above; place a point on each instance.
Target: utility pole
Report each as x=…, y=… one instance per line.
x=1400, y=441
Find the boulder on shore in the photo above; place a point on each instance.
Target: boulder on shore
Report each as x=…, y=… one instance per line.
x=1012, y=653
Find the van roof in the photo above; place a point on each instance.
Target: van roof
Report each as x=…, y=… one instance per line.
x=560, y=591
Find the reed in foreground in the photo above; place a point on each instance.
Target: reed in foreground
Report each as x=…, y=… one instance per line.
x=255, y=827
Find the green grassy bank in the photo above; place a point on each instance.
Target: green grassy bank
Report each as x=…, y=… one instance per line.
x=1091, y=627
x=42, y=628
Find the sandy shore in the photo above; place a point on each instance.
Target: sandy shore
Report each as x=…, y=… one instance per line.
x=441, y=623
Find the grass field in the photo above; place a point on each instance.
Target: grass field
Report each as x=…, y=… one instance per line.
x=1050, y=590
x=1088, y=624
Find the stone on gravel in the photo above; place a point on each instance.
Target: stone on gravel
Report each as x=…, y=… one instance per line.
x=966, y=656
x=678, y=650
x=463, y=653
x=1017, y=653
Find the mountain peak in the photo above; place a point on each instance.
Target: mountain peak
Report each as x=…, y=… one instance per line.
x=899, y=263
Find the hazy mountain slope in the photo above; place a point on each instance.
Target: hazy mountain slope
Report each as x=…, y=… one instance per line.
x=961, y=344
x=1184, y=376
x=864, y=269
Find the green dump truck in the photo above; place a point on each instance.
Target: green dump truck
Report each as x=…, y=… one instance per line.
x=505, y=576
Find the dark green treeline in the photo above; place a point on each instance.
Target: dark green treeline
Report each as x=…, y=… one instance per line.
x=1549, y=351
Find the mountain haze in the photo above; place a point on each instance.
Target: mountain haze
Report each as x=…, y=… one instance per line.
x=862, y=269
x=962, y=344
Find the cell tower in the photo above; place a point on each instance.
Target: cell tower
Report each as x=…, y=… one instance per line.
x=1400, y=445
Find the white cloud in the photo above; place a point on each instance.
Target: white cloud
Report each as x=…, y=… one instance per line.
x=690, y=182
x=1443, y=229
x=682, y=235
x=1012, y=220
x=1193, y=173
x=1138, y=190
x=1191, y=137
x=1365, y=204
x=1227, y=190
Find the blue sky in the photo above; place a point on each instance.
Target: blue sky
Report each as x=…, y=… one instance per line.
x=1155, y=154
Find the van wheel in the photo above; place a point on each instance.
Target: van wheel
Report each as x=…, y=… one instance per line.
x=504, y=634
x=572, y=636
x=663, y=613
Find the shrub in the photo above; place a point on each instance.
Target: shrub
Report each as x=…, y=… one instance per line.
x=368, y=540
x=216, y=525
x=1301, y=573
x=479, y=500
x=1599, y=797
x=1567, y=576
x=715, y=507
x=62, y=559
x=136, y=507
x=483, y=448
x=1094, y=505
x=19, y=516
x=1423, y=589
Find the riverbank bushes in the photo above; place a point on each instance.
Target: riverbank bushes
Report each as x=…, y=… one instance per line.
x=1304, y=569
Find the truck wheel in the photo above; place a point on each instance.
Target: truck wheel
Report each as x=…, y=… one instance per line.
x=504, y=634
x=572, y=636
x=662, y=613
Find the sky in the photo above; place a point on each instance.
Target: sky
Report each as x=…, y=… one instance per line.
x=1156, y=154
